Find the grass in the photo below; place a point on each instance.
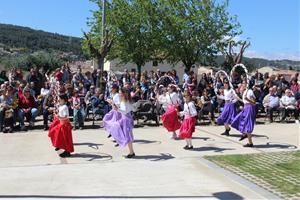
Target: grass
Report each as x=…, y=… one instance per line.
x=281, y=170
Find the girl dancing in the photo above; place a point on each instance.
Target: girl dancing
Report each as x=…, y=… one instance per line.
x=60, y=130
x=170, y=117
x=229, y=112
x=188, y=125
x=245, y=120
x=120, y=122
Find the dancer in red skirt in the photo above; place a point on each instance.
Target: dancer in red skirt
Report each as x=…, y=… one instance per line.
x=188, y=125
x=60, y=130
x=170, y=117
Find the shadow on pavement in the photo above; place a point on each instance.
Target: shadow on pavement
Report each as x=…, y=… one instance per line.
x=215, y=149
x=275, y=145
x=253, y=135
x=202, y=138
x=92, y=157
x=101, y=197
x=146, y=141
x=160, y=157
x=219, y=195
x=227, y=196
x=89, y=144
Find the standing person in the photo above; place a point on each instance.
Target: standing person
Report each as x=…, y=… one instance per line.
x=114, y=102
x=188, y=125
x=78, y=111
x=229, y=111
x=245, y=120
x=60, y=130
x=170, y=117
x=120, y=122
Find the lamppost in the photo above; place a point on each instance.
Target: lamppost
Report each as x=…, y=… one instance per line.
x=103, y=27
x=103, y=19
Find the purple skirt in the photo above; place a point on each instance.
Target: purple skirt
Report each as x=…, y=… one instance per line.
x=228, y=114
x=245, y=120
x=119, y=126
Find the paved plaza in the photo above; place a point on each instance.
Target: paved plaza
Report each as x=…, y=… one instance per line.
x=31, y=169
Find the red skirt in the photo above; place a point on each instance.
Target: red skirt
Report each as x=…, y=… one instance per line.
x=60, y=133
x=187, y=128
x=170, y=119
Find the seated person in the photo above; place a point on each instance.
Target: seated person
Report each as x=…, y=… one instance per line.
x=48, y=109
x=7, y=110
x=99, y=105
x=78, y=110
x=45, y=91
x=89, y=94
x=207, y=106
x=27, y=108
x=136, y=95
x=271, y=104
x=289, y=104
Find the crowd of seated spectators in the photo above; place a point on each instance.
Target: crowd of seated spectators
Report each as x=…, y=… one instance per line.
x=23, y=99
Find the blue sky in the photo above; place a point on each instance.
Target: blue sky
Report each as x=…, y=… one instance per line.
x=272, y=26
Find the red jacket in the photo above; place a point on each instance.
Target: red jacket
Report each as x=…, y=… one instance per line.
x=24, y=102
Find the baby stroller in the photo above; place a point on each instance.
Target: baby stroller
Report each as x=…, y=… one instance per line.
x=146, y=110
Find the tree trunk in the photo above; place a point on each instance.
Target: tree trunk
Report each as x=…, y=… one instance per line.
x=188, y=65
x=139, y=70
x=100, y=62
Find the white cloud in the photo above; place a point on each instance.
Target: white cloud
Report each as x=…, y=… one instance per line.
x=273, y=56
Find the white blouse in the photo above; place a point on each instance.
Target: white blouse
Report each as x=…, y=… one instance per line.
x=189, y=110
x=229, y=95
x=173, y=98
x=63, y=111
x=116, y=99
x=45, y=92
x=125, y=107
x=249, y=94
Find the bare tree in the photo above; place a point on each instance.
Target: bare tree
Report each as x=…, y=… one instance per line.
x=100, y=53
x=232, y=58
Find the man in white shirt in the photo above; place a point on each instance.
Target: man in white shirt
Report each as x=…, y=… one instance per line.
x=289, y=104
x=271, y=104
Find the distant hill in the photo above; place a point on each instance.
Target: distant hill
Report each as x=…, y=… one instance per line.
x=18, y=41
x=26, y=40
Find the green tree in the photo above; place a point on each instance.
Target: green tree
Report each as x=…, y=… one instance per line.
x=196, y=30
x=191, y=31
x=132, y=25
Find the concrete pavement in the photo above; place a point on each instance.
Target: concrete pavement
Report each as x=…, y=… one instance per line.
x=30, y=168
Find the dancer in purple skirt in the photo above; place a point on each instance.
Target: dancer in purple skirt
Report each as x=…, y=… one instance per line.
x=114, y=101
x=245, y=120
x=119, y=123
x=229, y=112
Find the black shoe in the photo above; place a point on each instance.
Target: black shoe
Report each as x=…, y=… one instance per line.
x=10, y=130
x=243, y=137
x=188, y=147
x=130, y=155
x=116, y=145
x=46, y=128
x=65, y=154
x=248, y=145
x=225, y=133
x=56, y=149
x=5, y=130
x=109, y=136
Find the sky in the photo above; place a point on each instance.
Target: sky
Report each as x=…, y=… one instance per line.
x=272, y=26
